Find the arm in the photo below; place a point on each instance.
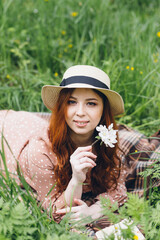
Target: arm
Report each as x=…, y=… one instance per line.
x=80, y=160
x=37, y=164
x=73, y=190
x=95, y=211
x=81, y=210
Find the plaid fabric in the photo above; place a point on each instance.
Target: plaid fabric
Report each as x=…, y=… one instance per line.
x=138, y=154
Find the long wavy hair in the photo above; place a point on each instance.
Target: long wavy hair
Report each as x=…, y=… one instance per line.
x=107, y=170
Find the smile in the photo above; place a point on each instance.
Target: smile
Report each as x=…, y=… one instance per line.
x=81, y=123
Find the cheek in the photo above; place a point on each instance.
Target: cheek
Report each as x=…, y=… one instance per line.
x=98, y=116
x=68, y=113
x=99, y=113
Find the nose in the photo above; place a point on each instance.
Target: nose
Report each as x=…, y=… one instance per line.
x=80, y=110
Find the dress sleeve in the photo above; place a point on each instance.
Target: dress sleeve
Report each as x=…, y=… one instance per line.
x=37, y=162
x=119, y=194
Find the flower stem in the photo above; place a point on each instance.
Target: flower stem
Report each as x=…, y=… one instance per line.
x=95, y=142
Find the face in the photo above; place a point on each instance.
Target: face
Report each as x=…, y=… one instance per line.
x=84, y=111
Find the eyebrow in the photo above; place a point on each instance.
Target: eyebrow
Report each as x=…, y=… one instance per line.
x=88, y=99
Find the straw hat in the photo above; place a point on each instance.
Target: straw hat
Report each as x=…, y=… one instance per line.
x=83, y=76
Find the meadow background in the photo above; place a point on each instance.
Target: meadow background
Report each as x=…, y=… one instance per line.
x=39, y=39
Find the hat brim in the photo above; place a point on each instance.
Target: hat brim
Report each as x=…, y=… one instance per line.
x=50, y=96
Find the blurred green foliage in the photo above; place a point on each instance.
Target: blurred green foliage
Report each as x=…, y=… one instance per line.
x=41, y=38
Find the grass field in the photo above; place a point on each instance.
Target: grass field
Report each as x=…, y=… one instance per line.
x=39, y=39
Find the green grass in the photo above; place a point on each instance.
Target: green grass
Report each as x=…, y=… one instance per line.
x=39, y=39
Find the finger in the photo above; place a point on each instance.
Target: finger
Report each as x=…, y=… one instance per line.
x=67, y=210
x=86, y=154
x=84, y=166
x=82, y=155
x=82, y=149
x=75, y=216
x=79, y=202
x=63, y=211
x=87, y=160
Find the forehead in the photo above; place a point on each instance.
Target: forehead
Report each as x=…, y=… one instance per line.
x=85, y=92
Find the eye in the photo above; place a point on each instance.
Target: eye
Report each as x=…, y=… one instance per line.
x=91, y=103
x=71, y=102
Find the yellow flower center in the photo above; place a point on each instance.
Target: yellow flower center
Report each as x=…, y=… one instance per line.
x=70, y=45
x=158, y=34
x=8, y=76
x=63, y=32
x=74, y=14
x=135, y=237
x=56, y=74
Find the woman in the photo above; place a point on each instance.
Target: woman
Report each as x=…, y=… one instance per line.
x=59, y=161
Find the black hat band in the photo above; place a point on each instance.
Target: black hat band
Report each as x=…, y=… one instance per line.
x=83, y=79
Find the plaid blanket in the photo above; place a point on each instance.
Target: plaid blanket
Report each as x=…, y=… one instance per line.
x=139, y=153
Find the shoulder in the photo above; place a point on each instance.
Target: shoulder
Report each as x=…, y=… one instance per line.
x=21, y=119
x=40, y=148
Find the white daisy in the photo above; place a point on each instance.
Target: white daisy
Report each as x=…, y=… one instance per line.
x=107, y=135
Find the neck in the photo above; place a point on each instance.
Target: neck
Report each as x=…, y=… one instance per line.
x=82, y=140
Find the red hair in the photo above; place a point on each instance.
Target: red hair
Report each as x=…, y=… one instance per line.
x=104, y=175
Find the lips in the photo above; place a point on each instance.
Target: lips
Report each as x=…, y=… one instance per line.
x=81, y=123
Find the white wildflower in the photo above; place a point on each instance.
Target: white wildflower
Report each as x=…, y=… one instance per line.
x=107, y=135
x=35, y=10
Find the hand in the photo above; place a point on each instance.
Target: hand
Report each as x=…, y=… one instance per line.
x=81, y=211
x=81, y=160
